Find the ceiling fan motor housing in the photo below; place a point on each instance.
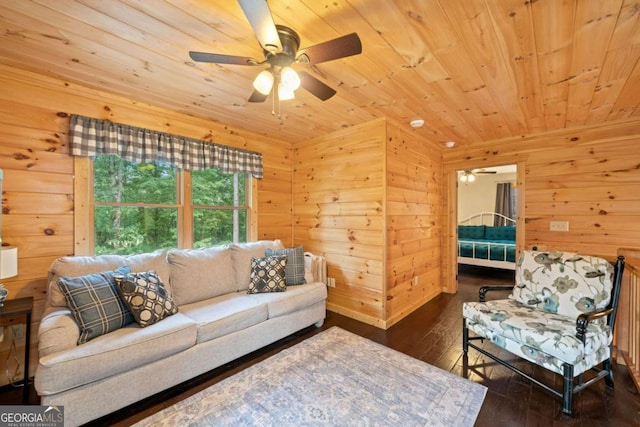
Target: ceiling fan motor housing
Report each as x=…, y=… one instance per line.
x=290, y=44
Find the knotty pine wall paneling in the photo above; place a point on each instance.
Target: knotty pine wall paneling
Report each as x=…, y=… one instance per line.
x=339, y=210
x=37, y=199
x=588, y=176
x=367, y=198
x=413, y=212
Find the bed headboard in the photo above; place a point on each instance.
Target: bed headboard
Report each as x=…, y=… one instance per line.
x=486, y=218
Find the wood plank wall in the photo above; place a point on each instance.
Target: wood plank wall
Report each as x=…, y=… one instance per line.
x=339, y=213
x=368, y=199
x=588, y=176
x=37, y=199
x=413, y=193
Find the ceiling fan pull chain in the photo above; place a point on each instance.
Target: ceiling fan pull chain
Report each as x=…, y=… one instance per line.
x=273, y=103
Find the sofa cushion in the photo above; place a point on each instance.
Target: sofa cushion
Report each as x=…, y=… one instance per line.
x=198, y=274
x=294, y=271
x=115, y=353
x=267, y=274
x=74, y=266
x=563, y=282
x=296, y=298
x=242, y=254
x=224, y=315
x=95, y=303
x=146, y=297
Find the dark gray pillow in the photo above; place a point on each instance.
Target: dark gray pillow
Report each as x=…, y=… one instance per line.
x=267, y=275
x=294, y=274
x=146, y=297
x=95, y=303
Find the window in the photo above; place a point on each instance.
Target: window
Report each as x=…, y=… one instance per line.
x=137, y=208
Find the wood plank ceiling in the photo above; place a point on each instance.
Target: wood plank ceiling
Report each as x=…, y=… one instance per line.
x=474, y=70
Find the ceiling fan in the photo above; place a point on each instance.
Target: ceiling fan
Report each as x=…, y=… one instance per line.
x=280, y=47
x=469, y=175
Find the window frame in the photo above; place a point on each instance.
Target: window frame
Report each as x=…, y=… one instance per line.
x=84, y=208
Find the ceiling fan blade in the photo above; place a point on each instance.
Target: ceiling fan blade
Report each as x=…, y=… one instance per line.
x=333, y=49
x=484, y=172
x=222, y=59
x=315, y=86
x=257, y=97
x=259, y=16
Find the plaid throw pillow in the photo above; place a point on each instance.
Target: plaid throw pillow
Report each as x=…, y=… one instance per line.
x=294, y=271
x=267, y=274
x=146, y=297
x=95, y=304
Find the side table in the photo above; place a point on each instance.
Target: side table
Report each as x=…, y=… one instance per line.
x=15, y=312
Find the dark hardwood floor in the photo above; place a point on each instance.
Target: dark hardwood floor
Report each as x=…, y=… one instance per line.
x=433, y=334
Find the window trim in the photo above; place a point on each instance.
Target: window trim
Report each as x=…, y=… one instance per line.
x=83, y=205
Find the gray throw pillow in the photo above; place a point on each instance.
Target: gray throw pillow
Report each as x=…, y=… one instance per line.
x=95, y=303
x=294, y=274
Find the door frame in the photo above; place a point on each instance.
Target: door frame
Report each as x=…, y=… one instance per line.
x=450, y=242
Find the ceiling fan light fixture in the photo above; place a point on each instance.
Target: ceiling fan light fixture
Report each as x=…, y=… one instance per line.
x=264, y=82
x=284, y=93
x=289, y=78
x=467, y=176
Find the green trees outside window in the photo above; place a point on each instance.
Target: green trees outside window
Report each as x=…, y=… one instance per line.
x=140, y=207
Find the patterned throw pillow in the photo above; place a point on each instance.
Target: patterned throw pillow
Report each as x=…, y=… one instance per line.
x=267, y=274
x=294, y=272
x=95, y=304
x=146, y=297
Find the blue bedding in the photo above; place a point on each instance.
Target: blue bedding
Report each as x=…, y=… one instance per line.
x=490, y=243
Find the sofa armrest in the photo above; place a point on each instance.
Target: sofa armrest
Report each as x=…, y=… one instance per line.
x=315, y=268
x=58, y=331
x=482, y=293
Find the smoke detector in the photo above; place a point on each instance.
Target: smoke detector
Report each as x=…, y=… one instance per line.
x=416, y=123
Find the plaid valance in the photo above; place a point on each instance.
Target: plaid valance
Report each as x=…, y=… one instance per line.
x=91, y=137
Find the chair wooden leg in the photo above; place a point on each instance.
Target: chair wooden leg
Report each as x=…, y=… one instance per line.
x=567, y=389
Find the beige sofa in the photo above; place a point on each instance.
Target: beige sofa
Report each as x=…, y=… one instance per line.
x=217, y=322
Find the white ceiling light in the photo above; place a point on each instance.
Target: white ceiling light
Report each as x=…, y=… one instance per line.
x=284, y=93
x=263, y=82
x=416, y=123
x=289, y=79
x=467, y=176
x=450, y=144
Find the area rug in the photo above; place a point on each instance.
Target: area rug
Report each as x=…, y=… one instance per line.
x=335, y=378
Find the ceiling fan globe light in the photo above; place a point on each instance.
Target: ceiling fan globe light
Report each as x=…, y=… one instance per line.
x=463, y=177
x=284, y=94
x=471, y=177
x=263, y=82
x=290, y=78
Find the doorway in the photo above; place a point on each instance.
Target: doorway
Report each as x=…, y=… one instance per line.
x=474, y=192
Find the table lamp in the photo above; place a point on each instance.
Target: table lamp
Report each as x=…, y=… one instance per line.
x=8, y=259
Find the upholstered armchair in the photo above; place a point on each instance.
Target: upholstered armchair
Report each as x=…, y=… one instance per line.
x=560, y=315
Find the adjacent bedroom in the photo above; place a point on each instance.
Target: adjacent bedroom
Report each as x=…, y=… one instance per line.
x=487, y=210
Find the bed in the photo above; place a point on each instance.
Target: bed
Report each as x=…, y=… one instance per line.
x=483, y=244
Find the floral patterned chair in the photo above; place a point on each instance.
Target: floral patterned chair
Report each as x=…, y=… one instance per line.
x=560, y=315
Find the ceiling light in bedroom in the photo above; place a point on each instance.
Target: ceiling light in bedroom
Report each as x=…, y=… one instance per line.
x=467, y=176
